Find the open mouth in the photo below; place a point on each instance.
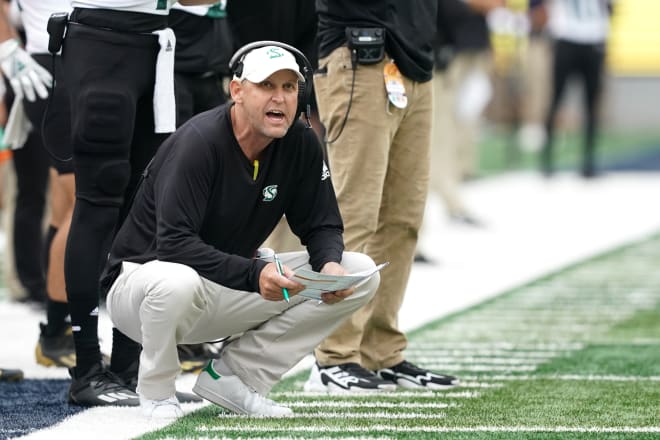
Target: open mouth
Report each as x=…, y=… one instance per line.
x=275, y=115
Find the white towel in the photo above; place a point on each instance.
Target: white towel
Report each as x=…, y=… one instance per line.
x=164, y=103
x=18, y=126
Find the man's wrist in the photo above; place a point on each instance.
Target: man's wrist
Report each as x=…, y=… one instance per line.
x=7, y=47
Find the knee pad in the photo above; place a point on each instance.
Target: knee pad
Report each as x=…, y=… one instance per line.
x=112, y=177
x=104, y=122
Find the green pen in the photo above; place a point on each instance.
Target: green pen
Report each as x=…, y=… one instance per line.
x=281, y=272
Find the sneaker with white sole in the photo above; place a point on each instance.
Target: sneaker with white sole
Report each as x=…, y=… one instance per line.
x=228, y=391
x=346, y=378
x=161, y=409
x=409, y=375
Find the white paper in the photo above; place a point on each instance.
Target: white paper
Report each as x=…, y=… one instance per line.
x=317, y=283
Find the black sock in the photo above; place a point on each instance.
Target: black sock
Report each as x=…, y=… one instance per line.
x=125, y=352
x=56, y=313
x=85, y=323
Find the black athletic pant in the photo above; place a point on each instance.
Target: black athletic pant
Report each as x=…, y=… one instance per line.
x=196, y=94
x=110, y=75
x=585, y=61
x=31, y=166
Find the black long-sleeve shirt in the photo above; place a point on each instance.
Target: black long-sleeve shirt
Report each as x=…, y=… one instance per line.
x=410, y=29
x=199, y=203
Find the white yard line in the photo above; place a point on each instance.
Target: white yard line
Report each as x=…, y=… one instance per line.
x=394, y=428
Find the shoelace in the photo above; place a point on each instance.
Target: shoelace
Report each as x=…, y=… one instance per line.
x=110, y=382
x=355, y=370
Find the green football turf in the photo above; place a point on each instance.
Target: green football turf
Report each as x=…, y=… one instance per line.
x=574, y=355
x=498, y=153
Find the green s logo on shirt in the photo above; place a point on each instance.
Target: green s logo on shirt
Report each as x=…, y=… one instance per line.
x=269, y=193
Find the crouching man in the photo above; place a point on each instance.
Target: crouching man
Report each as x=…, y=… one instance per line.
x=184, y=267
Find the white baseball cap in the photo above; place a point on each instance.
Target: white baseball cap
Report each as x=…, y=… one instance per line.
x=262, y=62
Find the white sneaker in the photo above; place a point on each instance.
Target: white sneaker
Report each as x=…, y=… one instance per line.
x=230, y=392
x=161, y=409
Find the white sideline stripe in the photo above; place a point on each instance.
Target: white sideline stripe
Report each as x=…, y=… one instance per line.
x=377, y=396
x=587, y=377
x=448, y=360
x=470, y=367
x=419, y=353
x=365, y=415
x=357, y=429
x=351, y=404
x=502, y=345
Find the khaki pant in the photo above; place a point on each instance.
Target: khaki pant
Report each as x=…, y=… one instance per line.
x=380, y=170
x=161, y=304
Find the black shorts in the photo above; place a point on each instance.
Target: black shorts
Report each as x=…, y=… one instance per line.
x=51, y=117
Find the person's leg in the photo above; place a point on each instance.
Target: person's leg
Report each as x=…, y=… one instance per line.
x=592, y=73
x=55, y=346
x=365, y=139
x=561, y=68
x=161, y=304
x=399, y=221
x=104, y=113
x=31, y=165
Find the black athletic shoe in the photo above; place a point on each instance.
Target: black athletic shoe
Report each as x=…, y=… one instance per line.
x=346, y=378
x=408, y=375
x=56, y=350
x=100, y=387
x=194, y=357
x=10, y=375
x=130, y=378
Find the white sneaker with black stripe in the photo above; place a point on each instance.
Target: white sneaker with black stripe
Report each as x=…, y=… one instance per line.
x=408, y=375
x=346, y=378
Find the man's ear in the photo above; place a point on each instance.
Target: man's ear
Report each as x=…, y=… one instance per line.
x=236, y=90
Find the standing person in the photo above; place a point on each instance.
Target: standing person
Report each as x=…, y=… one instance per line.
x=184, y=267
x=118, y=63
x=26, y=78
x=378, y=144
x=456, y=122
x=579, y=30
x=30, y=163
x=55, y=345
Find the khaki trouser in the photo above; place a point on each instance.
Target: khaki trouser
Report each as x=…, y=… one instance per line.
x=380, y=170
x=161, y=304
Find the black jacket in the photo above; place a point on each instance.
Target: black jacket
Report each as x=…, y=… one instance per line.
x=199, y=205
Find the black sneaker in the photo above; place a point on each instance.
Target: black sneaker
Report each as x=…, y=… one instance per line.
x=407, y=375
x=130, y=378
x=346, y=378
x=10, y=375
x=194, y=357
x=100, y=387
x=56, y=350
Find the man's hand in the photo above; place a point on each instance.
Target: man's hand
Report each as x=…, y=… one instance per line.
x=339, y=295
x=26, y=76
x=271, y=283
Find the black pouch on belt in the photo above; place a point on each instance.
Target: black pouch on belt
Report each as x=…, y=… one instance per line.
x=368, y=44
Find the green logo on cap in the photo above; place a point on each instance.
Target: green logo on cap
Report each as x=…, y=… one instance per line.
x=274, y=52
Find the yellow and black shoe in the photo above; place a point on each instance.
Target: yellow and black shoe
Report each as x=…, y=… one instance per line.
x=10, y=375
x=56, y=350
x=194, y=357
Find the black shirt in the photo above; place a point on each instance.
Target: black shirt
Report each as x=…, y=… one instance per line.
x=410, y=27
x=199, y=205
